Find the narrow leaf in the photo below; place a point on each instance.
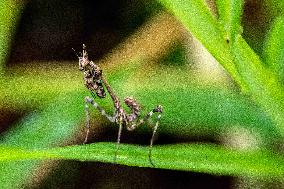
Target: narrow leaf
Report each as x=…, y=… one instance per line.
x=264, y=85
x=9, y=16
x=273, y=52
x=230, y=12
x=50, y=127
x=275, y=7
x=196, y=17
x=189, y=157
x=194, y=111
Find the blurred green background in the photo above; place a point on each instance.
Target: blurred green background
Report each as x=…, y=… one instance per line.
x=145, y=52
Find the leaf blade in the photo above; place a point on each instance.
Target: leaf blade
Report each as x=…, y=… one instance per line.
x=273, y=51
x=264, y=85
x=50, y=127
x=204, y=158
x=230, y=12
x=196, y=17
x=9, y=16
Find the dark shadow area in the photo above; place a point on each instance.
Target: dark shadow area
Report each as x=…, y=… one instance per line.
x=142, y=136
x=256, y=21
x=48, y=29
x=92, y=175
x=9, y=117
x=176, y=55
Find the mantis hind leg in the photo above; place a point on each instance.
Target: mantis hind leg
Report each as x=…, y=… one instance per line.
x=87, y=122
x=118, y=140
x=152, y=139
x=133, y=126
x=91, y=101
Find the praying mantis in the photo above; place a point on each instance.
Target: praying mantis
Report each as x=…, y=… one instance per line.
x=96, y=83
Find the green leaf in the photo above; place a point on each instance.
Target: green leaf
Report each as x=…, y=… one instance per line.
x=230, y=12
x=196, y=17
x=245, y=66
x=38, y=86
x=273, y=53
x=54, y=125
x=190, y=157
x=275, y=7
x=196, y=111
x=9, y=14
x=264, y=86
x=189, y=110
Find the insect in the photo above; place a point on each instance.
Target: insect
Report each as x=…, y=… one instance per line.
x=95, y=82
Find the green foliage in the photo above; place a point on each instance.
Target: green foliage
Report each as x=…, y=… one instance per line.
x=276, y=7
x=9, y=15
x=230, y=13
x=241, y=61
x=204, y=112
x=189, y=157
x=264, y=84
x=205, y=28
x=41, y=129
x=274, y=48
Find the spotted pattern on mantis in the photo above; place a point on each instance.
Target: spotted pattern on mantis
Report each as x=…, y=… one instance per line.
x=95, y=82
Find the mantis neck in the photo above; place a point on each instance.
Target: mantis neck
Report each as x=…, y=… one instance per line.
x=110, y=91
